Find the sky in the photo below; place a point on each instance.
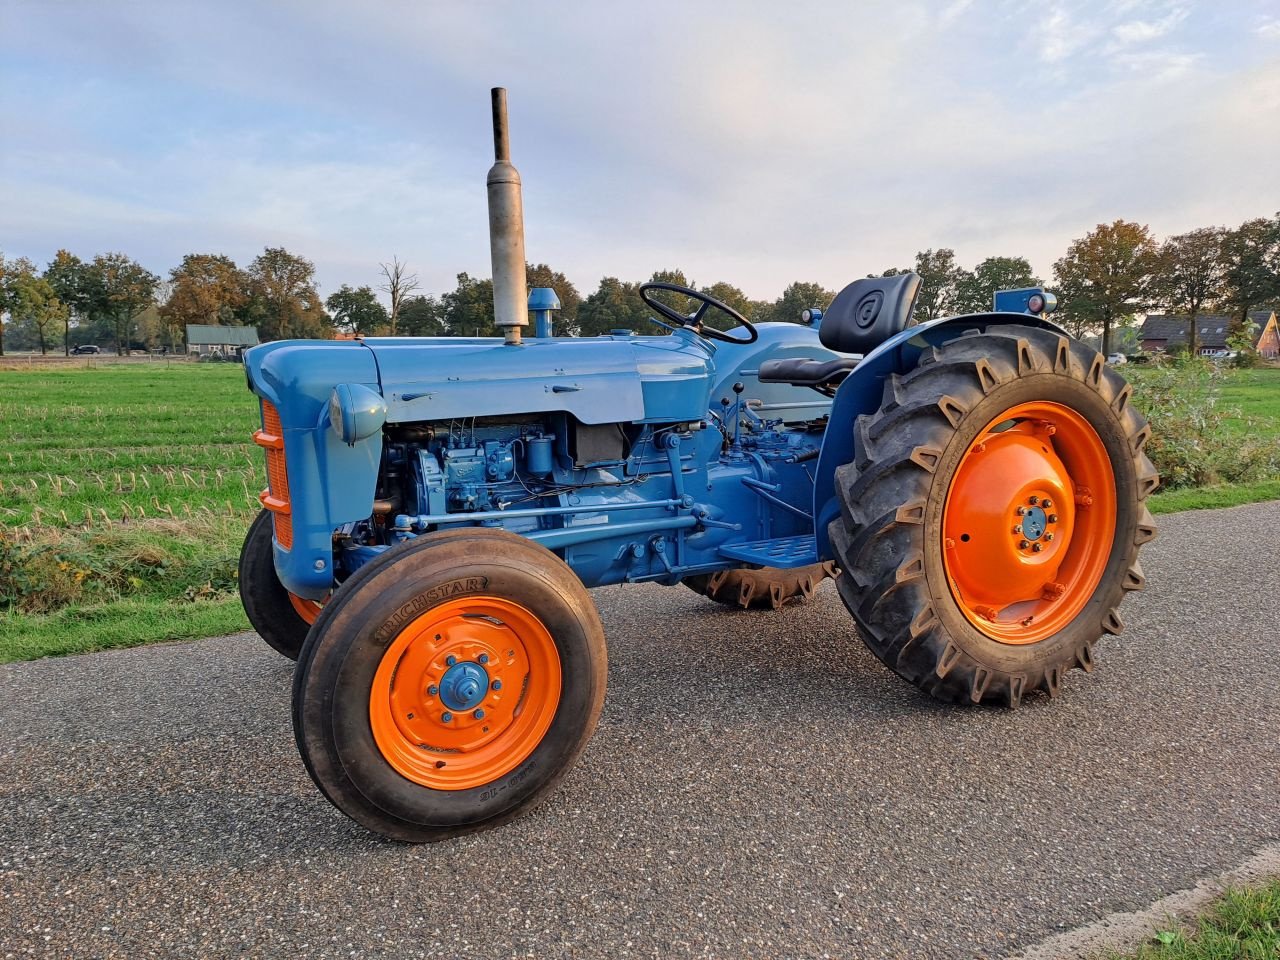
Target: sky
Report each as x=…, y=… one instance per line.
x=754, y=143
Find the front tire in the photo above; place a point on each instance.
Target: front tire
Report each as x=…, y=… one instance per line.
x=281, y=618
x=450, y=685
x=991, y=520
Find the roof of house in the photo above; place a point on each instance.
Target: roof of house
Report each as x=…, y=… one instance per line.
x=213, y=334
x=1212, y=330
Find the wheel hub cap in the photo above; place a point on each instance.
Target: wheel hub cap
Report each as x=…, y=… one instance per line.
x=463, y=686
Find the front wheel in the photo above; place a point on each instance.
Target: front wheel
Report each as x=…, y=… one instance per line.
x=280, y=617
x=991, y=521
x=450, y=685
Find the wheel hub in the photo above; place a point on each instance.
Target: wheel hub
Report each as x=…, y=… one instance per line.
x=1034, y=523
x=464, y=685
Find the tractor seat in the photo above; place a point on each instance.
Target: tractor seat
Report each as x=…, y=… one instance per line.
x=863, y=315
x=803, y=372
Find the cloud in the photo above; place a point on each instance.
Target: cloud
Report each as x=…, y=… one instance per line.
x=1144, y=31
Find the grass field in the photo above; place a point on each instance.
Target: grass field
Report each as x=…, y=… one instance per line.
x=125, y=491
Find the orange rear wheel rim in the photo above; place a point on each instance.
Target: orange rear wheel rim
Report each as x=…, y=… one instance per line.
x=308, y=610
x=1029, y=522
x=465, y=693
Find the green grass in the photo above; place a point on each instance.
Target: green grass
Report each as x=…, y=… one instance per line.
x=119, y=623
x=1243, y=925
x=125, y=492
x=1210, y=498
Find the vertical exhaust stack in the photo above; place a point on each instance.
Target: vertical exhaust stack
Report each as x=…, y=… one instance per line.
x=506, y=230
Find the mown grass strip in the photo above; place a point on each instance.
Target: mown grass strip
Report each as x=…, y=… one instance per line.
x=121, y=623
x=1210, y=498
x=1244, y=924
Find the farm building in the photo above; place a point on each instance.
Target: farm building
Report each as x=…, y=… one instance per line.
x=1161, y=333
x=206, y=339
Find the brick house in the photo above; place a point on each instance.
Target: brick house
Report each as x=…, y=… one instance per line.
x=1160, y=333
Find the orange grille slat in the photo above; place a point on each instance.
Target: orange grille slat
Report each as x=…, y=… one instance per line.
x=276, y=497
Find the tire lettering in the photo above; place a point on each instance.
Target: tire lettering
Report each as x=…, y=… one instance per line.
x=410, y=611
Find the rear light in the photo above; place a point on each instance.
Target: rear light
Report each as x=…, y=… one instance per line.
x=276, y=497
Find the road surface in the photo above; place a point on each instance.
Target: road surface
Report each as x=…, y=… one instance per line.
x=760, y=786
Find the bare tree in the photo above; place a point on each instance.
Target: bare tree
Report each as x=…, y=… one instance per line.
x=399, y=283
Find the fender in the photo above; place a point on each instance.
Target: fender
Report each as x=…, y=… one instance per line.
x=863, y=390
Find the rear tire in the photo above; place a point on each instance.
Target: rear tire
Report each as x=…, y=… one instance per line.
x=766, y=587
x=920, y=597
x=450, y=685
x=272, y=610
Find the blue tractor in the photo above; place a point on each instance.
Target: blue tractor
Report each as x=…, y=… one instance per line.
x=437, y=510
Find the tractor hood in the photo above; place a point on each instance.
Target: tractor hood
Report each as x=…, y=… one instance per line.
x=597, y=379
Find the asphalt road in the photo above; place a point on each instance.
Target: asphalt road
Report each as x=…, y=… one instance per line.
x=760, y=786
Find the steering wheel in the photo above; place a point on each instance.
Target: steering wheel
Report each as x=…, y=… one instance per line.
x=694, y=320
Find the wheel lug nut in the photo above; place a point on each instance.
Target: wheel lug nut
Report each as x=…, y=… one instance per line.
x=1034, y=501
x=1023, y=544
x=1047, y=503
x=1020, y=511
x=450, y=661
x=446, y=717
x=479, y=714
x=483, y=658
x=1048, y=536
x=1053, y=518
x=1018, y=528
x=432, y=690
x=1036, y=548
x=497, y=684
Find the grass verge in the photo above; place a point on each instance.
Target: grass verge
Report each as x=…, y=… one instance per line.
x=1244, y=924
x=1208, y=498
x=119, y=623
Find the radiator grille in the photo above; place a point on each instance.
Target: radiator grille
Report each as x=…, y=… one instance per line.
x=276, y=497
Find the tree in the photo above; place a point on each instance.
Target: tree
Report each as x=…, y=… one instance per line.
x=283, y=301
x=974, y=290
x=939, y=278
x=468, y=308
x=422, y=317
x=1251, y=265
x=1189, y=271
x=357, y=310
x=795, y=299
x=1105, y=277
x=205, y=288
x=119, y=289
x=71, y=281
x=398, y=283
x=730, y=296
x=32, y=300
x=615, y=305
x=541, y=275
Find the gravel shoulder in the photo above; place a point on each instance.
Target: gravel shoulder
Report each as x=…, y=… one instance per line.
x=760, y=786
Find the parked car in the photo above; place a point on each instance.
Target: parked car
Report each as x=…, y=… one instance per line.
x=1116, y=359
x=85, y=348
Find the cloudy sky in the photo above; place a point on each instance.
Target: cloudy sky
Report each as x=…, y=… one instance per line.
x=757, y=143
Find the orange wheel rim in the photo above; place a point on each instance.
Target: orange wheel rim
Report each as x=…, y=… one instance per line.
x=308, y=610
x=465, y=693
x=1029, y=522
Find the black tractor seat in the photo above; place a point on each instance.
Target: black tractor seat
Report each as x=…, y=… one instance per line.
x=803, y=372
x=861, y=317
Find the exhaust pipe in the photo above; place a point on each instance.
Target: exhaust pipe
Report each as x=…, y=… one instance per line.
x=506, y=230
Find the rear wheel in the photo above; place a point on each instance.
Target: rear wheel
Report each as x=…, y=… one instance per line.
x=450, y=685
x=280, y=617
x=765, y=587
x=991, y=521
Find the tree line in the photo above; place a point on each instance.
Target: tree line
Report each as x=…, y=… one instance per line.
x=1102, y=281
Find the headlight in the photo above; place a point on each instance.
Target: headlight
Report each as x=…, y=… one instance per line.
x=356, y=412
